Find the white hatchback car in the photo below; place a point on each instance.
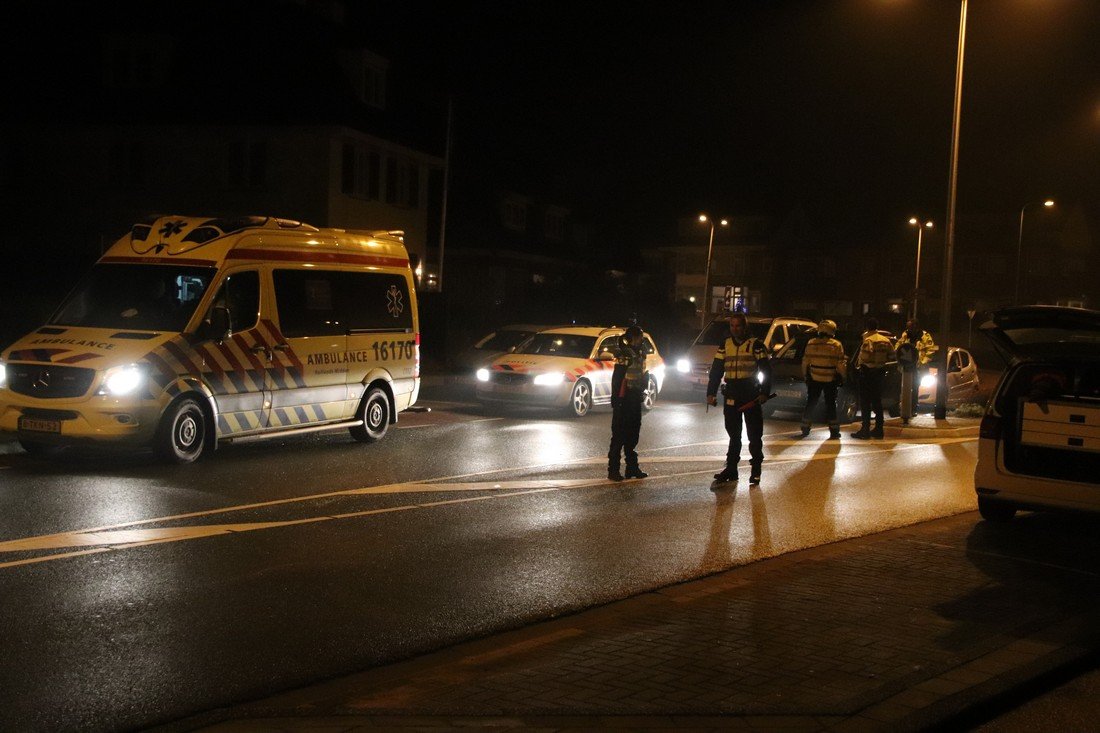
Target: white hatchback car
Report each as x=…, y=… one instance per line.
x=1039, y=445
x=963, y=384
x=564, y=368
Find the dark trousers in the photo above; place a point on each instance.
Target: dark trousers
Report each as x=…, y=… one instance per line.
x=626, y=426
x=813, y=392
x=870, y=397
x=754, y=425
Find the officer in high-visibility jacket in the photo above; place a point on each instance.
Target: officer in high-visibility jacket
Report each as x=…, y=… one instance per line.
x=874, y=353
x=926, y=348
x=823, y=365
x=628, y=385
x=742, y=361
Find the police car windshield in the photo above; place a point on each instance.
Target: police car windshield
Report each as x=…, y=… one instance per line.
x=558, y=344
x=502, y=340
x=717, y=332
x=135, y=297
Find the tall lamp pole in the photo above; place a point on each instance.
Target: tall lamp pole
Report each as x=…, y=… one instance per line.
x=949, y=243
x=706, y=278
x=1020, y=246
x=914, y=221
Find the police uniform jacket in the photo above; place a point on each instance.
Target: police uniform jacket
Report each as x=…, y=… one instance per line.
x=630, y=373
x=739, y=363
x=874, y=352
x=923, y=342
x=823, y=360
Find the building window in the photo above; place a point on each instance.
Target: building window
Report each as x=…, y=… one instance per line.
x=513, y=215
x=247, y=164
x=361, y=172
x=554, y=225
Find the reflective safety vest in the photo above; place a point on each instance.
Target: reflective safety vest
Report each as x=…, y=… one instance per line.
x=740, y=359
x=634, y=361
x=925, y=346
x=823, y=359
x=874, y=352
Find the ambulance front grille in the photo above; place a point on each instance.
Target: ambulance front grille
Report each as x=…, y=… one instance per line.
x=49, y=381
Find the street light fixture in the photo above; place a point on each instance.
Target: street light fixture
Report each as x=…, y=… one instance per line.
x=914, y=221
x=706, y=279
x=1020, y=246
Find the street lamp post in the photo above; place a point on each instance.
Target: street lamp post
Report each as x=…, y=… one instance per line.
x=949, y=240
x=1020, y=246
x=913, y=221
x=706, y=278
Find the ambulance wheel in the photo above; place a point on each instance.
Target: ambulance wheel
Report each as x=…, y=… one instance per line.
x=650, y=398
x=375, y=414
x=181, y=433
x=580, y=399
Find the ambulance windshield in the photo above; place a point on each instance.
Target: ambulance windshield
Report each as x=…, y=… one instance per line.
x=135, y=297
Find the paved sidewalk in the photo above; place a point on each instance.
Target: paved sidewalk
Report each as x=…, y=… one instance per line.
x=892, y=632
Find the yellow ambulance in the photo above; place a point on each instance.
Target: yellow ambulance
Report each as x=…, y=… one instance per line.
x=190, y=331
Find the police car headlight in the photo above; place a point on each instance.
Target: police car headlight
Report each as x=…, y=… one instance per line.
x=482, y=375
x=683, y=366
x=928, y=380
x=122, y=380
x=549, y=380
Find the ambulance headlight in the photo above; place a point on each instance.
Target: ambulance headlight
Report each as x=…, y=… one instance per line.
x=482, y=375
x=3, y=375
x=549, y=380
x=928, y=381
x=683, y=366
x=123, y=380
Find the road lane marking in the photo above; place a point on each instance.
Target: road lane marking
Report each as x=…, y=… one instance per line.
x=118, y=536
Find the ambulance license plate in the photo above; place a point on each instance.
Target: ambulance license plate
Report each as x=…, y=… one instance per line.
x=38, y=425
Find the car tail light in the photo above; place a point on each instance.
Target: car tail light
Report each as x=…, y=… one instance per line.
x=990, y=427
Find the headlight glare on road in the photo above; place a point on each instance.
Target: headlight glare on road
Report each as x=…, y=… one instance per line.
x=482, y=375
x=928, y=380
x=122, y=380
x=683, y=366
x=549, y=380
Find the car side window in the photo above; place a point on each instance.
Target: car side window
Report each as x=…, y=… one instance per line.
x=240, y=293
x=611, y=343
x=964, y=359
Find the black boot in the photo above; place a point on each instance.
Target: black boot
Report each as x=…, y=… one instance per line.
x=862, y=434
x=754, y=476
x=614, y=475
x=727, y=474
x=877, y=433
x=635, y=472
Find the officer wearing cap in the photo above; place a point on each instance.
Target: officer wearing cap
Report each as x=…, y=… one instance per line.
x=628, y=385
x=742, y=361
x=823, y=365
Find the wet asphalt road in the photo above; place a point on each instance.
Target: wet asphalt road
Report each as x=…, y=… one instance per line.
x=133, y=593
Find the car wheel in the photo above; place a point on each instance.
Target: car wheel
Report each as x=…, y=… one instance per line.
x=181, y=433
x=650, y=398
x=580, y=399
x=375, y=414
x=995, y=511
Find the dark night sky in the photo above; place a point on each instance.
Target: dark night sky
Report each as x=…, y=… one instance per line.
x=645, y=112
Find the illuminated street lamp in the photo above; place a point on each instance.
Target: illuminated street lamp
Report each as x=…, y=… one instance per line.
x=914, y=221
x=1020, y=246
x=706, y=279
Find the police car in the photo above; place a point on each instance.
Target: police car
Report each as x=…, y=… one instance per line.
x=564, y=368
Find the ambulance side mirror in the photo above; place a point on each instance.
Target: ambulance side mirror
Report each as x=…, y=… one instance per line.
x=219, y=326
